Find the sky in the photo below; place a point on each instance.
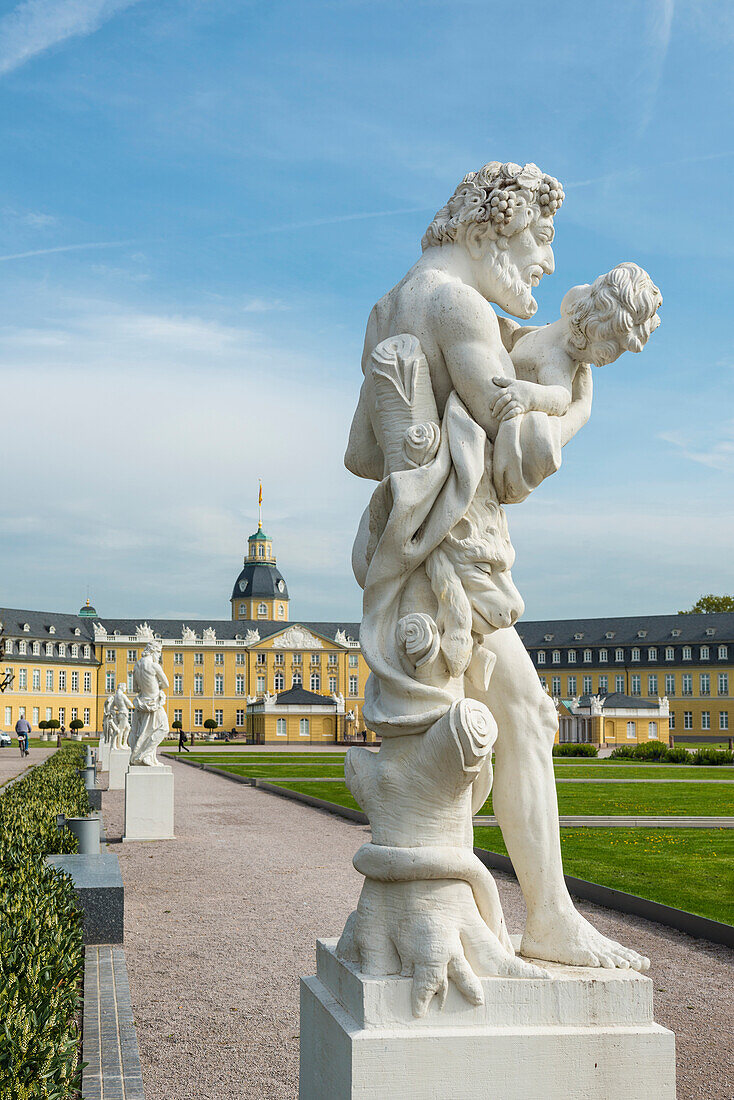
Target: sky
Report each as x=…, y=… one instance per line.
x=202, y=200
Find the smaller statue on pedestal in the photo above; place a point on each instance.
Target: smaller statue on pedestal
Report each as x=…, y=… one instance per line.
x=150, y=721
x=118, y=722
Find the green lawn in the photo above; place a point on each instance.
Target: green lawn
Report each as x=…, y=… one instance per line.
x=676, y=799
x=599, y=770
x=690, y=869
x=280, y=771
x=331, y=792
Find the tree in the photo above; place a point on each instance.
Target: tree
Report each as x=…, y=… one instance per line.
x=210, y=724
x=43, y=724
x=708, y=605
x=76, y=724
x=53, y=724
x=177, y=725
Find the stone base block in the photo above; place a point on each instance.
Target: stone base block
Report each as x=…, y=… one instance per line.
x=100, y=894
x=119, y=762
x=586, y=1034
x=95, y=798
x=149, y=803
x=103, y=755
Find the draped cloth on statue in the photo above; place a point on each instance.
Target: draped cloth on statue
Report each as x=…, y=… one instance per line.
x=149, y=728
x=526, y=451
x=410, y=514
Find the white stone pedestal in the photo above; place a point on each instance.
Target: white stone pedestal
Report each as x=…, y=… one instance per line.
x=586, y=1034
x=103, y=754
x=149, y=803
x=119, y=762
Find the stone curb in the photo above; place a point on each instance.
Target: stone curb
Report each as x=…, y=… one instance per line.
x=110, y=1043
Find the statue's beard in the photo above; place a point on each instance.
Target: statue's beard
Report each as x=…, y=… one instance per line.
x=515, y=293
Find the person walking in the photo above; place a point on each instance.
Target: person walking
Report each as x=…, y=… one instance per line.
x=22, y=729
x=182, y=741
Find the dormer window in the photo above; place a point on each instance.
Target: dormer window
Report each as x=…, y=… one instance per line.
x=572, y=656
x=675, y=633
x=710, y=631
x=619, y=655
x=75, y=650
x=609, y=635
x=77, y=631
x=52, y=629
x=603, y=655
x=556, y=656
x=578, y=637
x=36, y=648
x=26, y=627
x=652, y=653
x=8, y=645
x=22, y=647
x=588, y=656
x=541, y=656
x=49, y=649
x=548, y=637
x=705, y=653
x=635, y=654
x=687, y=653
x=62, y=649
x=641, y=633
x=87, y=651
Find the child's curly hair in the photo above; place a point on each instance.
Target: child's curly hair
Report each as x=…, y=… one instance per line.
x=617, y=314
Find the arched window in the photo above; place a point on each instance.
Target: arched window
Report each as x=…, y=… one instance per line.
x=261, y=551
x=262, y=610
x=296, y=679
x=281, y=611
x=303, y=727
x=315, y=681
x=243, y=610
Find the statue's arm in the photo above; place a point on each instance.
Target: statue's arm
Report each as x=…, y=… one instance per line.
x=363, y=457
x=161, y=676
x=468, y=334
x=579, y=410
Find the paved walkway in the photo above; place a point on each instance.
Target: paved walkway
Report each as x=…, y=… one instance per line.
x=221, y=922
x=12, y=763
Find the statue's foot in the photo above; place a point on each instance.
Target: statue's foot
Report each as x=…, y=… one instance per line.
x=570, y=939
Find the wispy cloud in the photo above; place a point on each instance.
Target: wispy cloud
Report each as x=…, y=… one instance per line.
x=65, y=248
x=36, y=25
x=337, y=219
x=718, y=454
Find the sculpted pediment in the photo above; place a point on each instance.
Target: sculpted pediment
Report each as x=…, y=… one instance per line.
x=297, y=637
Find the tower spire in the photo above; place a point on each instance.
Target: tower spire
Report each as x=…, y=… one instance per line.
x=260, y=508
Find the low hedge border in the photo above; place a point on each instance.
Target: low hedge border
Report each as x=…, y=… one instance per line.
x=41, y=952
x=659, y=753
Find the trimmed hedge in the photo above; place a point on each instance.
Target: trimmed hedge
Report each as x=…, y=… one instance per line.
x=41, y=952
x=569, y=748
x=661, y=754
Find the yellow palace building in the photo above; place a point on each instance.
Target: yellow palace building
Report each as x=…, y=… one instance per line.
x=274, y=680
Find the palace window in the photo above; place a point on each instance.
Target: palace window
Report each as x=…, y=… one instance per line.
x=587, y=685
x=705, y=653
x=631, y=731
x=23, y=648
x=239, y=684
x=619, y=684
x=333, y=658
x=74, y=714
x=353, y=660
x=687, y=653
x=669, y=653
x=296, y=679
x=279, y=659
x=687, y=719
x=87, y=651
x=280, y=727
x=49, y=714
x=571, y=681
x=178, y=658
x=62, y=680
x=8, y=645
x=723, y=652
x=556, y=686
x=723, y=683
x=588, y=656
x=219, y=684
x=198, y=683
x=75, y=650
x=75, y=681
x=635, y=654
x=239, y=718
x=218, y=658
x=36, y=679
x=198, y=658
x=619, y=655
x=198, y=717
x=279, y=681
x=240, y=659
x=354, y=685
x=652, y=684
x=603, y=655
x=178, y=716
x=652, y=731
x=49, y=649
x=36, y=648
x=635, y=686
x=130, y=680
x=332, y=683
x=572, y=656
x=49, y=679
x=243, y=610
x=687, y=684
x=671, y=720
x=652, y=654
x=132, y=656
x=281, y=611
x=178, y=684
x=315, y=681
x=261, y=551
x=723, y=719
x=705, y=719
x=219, y=717
x=303, y=727
x=315, y=658
x=109, y=656
x=704, y=683
x=603, y=685
x=556, y=657
x=62, y=715
x=669, y=684
x=541, y=657
x=109, y=682
x=262, y=610
x=87, y=681
x=296, y=658
x=261, y=659
x=260, y=684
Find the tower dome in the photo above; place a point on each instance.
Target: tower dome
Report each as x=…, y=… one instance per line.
x=260, y=591
x=88, y=612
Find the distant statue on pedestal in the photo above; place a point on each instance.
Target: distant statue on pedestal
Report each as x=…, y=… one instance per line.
x=150, y=721
x=118, y=722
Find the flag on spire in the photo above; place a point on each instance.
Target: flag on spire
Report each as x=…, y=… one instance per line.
x=260, y=495
x=260, y=508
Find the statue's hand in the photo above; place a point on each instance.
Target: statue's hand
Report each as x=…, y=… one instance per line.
x=515, y=398
x=432, y=932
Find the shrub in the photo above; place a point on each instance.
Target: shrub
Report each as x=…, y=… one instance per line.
x=569, y=748
x=41, y=953
x=677, y=756
x=712, y=756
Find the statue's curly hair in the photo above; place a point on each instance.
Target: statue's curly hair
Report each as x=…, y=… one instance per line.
x=617, y=314
x=504, y=196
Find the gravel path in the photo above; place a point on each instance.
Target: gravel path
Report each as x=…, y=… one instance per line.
x=221, y=923
x=12, y=763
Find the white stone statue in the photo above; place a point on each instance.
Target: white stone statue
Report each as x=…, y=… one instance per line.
x=251, y=637
x=209, y=634
x=106, y=732
x=119, y=717
x=150, y=721
x=338, y=698
x=188, y=635
x=460, y=412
